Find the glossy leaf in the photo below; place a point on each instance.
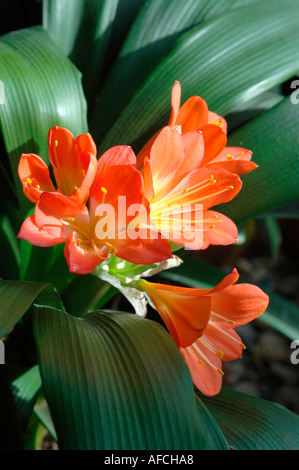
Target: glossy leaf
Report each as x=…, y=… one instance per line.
x=211, y=428
x=42, y=89
x=17, y=296
x=145, y=47
x=251, y=423
x=115, y=381
x=81, y=29
x=269, y=136
x=25, y=389
x=262, y=52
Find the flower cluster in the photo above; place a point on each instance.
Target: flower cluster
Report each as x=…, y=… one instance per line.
x=137, y=207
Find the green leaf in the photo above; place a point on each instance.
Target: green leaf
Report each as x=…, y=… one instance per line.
x=115, y=381
x=86, y=293
x=250, y=423
x=211, y=428
x=25, y=389
x=145, y=47
x=42, y=89
x=225, y=67
x=81, y=28
x=17, y=296
x=270, y=135
x=41, y=410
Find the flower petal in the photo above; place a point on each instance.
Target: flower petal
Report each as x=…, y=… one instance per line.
x=37, y=236
x=235, y=159
x=118, y=155
x=58, y=214
x=238, y=304
x=193, y=115
x=166, y=156
x=35, y=176
x=175, y=103
x=184, y=311
x=215, y=141
x=218, y=229
x=81, y=257
x=147, y=248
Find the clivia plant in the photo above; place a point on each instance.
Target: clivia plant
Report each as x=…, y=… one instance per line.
x=135, y=135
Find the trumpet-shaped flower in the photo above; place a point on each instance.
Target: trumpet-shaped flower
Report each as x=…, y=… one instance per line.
x=92, y=234
x=194, y=116
x=181, y=192
x=74, y=165
x=202, y=322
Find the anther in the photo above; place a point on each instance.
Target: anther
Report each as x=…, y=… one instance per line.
x=218, y=123
x=211, y=227
x=220, y=353
x=56, y=143
x=201, y=362
x=212, y=179
x=104, y=190
x=37, y=186
x=71, y=219
x=229, y=156
x=29, y=181
x=220, y=371
x=230, y=187
x=243, y=346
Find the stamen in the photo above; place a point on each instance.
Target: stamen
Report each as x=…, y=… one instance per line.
x=71, y=219
x=229, y=156
x=37, y=186
x=29, y=181
x=104, y=190
x=220, y=371
x=212, y=226
x=201, y=362
x=218, y=123
x=212, y=179
x=79, y=242
x=220, y=353
x=230, y=187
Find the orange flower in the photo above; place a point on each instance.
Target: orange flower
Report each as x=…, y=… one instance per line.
x=201, y=322
x=194, y=116
x=181, y=193
x=92, y=234
x=74, y=165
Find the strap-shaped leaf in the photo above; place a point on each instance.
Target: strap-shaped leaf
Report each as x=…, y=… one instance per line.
x=17, y=296
x=251, y=423
x=81, y=29
x=42, y=89
x=227, y=61
x=273, y=137
x=115, y=381
x=146, y=46
x=25, y=389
